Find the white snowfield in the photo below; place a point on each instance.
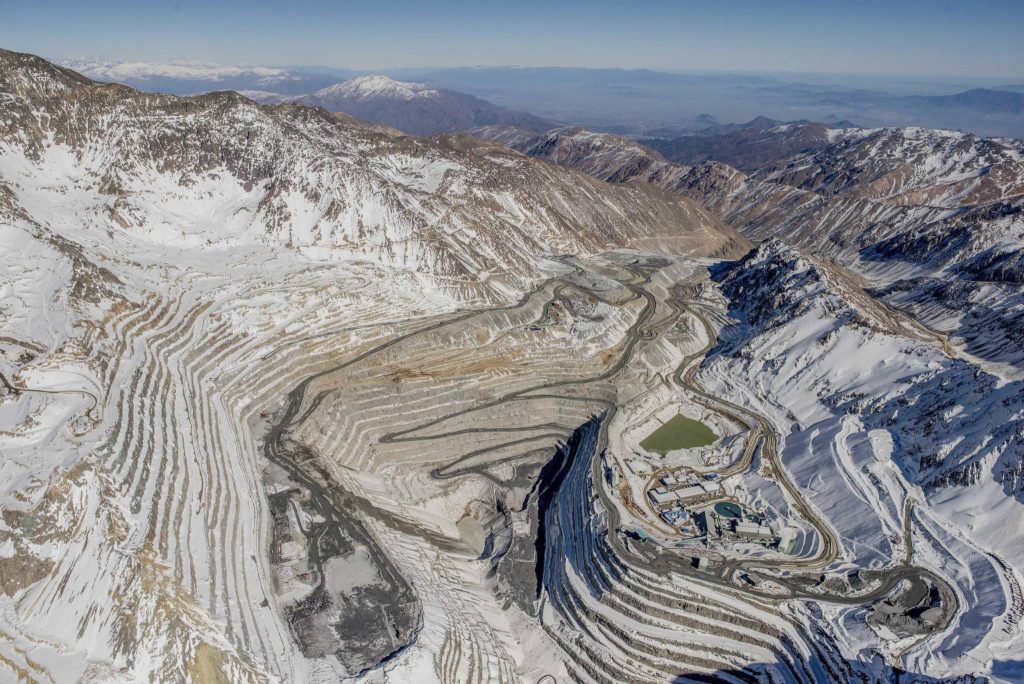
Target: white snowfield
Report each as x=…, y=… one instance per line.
x=174, y=269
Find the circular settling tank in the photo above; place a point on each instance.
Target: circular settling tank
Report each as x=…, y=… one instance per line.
x=728, y=509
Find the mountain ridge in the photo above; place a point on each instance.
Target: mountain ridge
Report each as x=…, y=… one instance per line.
x=879, y=201
x=274, y=161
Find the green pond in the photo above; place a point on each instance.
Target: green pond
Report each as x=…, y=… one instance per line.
x=678, y=433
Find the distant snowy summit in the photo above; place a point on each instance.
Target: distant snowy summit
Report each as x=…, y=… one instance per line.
x=416, y=108
x=377, y=86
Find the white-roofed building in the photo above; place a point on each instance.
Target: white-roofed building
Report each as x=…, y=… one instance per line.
x=661, y=496
x=749, y=530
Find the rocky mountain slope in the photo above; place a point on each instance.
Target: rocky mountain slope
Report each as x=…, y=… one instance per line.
x=605, y=156
x=747, y=146
x=163, y=167
x=616, y=159
x=875, y=414
x=931, y=218
x=775, y=285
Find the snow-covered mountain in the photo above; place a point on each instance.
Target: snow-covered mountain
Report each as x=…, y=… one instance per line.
x=416, y=108
x=187, y=77
x=410, y=107
x=932, y=218
x=220, y=170
x=609, y=157
x=120, y=70
x=874, y=412
x=366, y=88
x=952, y=424
x=288, y=396
x=907, y=166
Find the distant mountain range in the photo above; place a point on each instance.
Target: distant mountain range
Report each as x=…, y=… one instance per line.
x=639, y=103
x=184, y=77
x=744, y=146
x=982, y=99
x=413, y=108
x=747, y=146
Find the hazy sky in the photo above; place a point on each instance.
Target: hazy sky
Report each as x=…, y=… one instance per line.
x=926, y=37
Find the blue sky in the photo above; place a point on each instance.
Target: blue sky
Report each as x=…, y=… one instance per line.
x=979, y=38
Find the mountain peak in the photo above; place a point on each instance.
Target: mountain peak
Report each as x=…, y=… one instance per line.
x=416, y=108
x=379, y=86
x=29, y=76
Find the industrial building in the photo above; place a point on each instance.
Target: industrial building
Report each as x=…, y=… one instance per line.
x=661, y=496
x=753, y=531
x=673, y=490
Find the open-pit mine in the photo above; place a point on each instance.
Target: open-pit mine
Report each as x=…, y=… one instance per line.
x=285, y=396
x=495, y=448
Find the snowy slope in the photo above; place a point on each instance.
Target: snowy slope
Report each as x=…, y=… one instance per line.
x=218, y=169
x=933, y=219
x=873, y=418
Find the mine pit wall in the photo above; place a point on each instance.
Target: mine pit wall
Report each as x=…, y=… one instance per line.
x=618, y=621
x=520, y=552
x=569, y=532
